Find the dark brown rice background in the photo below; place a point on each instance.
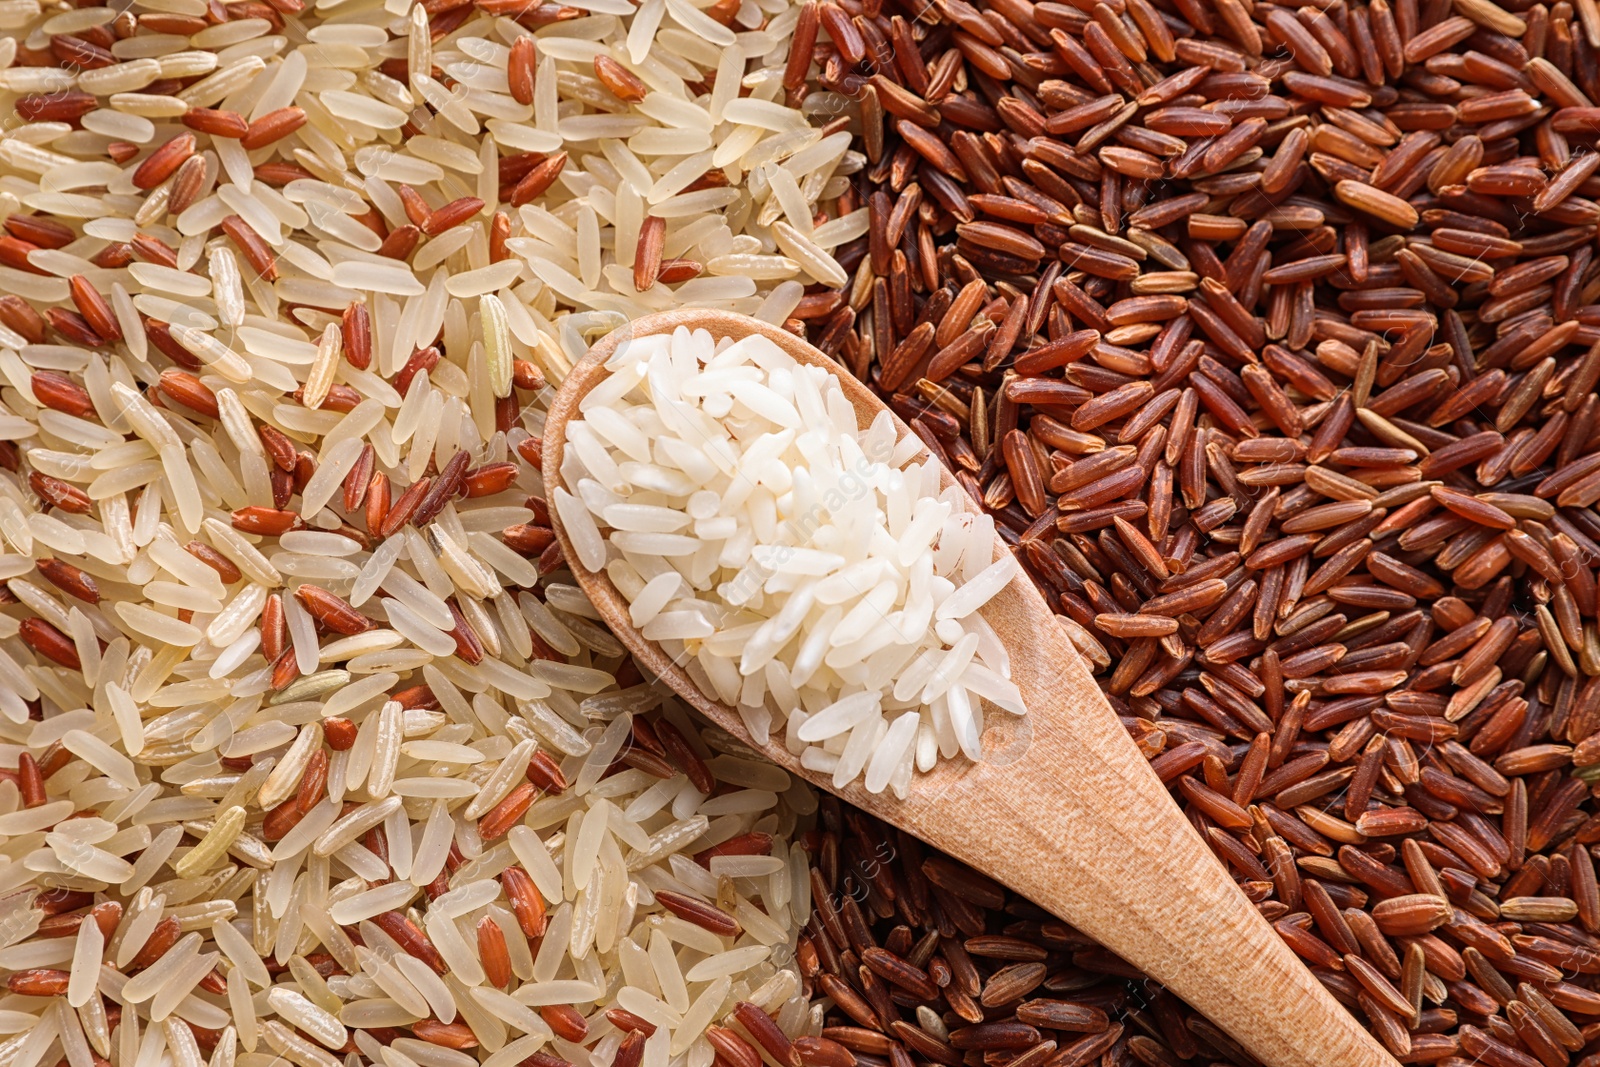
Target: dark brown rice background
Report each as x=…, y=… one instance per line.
x=1268, y=335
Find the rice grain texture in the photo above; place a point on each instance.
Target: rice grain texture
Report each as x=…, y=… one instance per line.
x=801, y=568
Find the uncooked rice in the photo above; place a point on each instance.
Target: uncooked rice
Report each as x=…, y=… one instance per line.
x=319, y=755
x=806, y=570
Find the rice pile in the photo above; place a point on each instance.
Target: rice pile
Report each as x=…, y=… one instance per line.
x=810, y=572
x=422, y=902
x=313, y=749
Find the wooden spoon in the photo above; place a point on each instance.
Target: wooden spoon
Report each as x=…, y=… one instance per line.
x=1064, y=809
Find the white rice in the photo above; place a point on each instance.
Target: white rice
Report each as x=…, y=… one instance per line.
x=802, y=569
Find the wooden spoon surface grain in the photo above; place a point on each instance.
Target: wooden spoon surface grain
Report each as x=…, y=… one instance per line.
x=1064, y=809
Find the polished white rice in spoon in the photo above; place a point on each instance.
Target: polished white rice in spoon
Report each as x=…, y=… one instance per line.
x=803, y=569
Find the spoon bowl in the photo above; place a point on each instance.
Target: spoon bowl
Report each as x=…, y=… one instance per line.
x=1063, y=809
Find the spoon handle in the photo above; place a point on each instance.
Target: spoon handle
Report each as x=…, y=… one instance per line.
x=1082, y=826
